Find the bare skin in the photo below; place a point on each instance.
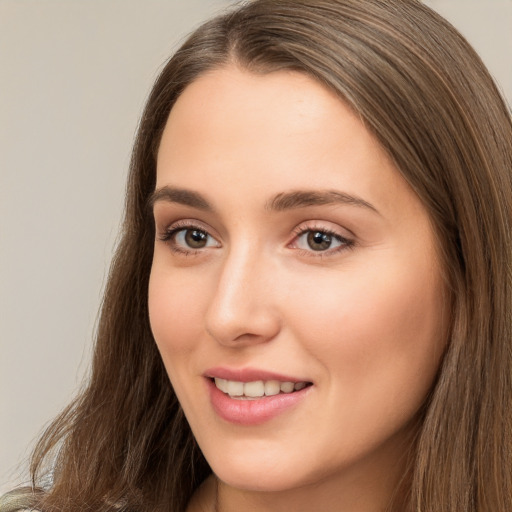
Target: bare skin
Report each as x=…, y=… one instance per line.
x=288, y=242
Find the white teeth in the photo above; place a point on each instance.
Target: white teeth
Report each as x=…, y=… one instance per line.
x=222, y=384
x=254, y=389
x=287, y=387
x=258, y=388
x=272, y=387
x=234, y=388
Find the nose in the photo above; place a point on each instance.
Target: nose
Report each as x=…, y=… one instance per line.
x=242, y=311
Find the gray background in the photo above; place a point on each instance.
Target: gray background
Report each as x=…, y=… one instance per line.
x=74, y=75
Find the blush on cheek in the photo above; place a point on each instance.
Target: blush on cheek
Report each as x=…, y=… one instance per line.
x=387, y=323
x=170, y=315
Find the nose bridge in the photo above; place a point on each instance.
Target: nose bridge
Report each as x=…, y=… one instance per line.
x=241, y=309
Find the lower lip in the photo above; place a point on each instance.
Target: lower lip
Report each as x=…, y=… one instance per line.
x=254, y=411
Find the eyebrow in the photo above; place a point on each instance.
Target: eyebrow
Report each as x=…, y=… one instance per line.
x=304, y=198
x=180, y=196
x=294, y=199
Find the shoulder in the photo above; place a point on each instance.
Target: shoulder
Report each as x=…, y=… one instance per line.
x=23, y=499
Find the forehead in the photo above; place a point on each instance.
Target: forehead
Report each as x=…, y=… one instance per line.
x=266, y=133
x=234, y=90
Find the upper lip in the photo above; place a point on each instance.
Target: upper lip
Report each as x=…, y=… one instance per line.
x=249, y=375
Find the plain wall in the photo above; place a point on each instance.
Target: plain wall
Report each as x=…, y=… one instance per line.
x=74, y=75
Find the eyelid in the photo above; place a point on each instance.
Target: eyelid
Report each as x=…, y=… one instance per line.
x=168, y=234
x=347, y=242
x=188, y=223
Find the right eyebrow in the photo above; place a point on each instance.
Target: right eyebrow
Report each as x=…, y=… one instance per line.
x=304, y=198
x=180, y=196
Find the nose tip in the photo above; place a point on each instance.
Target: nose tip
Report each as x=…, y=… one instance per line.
x=241, y=311
x=235, y=329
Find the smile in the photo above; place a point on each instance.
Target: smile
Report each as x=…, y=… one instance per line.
x=252, y=396
x=257, y=389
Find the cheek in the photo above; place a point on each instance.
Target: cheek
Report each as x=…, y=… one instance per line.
x=175, y=310
x=379, y=332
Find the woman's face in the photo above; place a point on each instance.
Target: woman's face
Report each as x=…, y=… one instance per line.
x=290, y=254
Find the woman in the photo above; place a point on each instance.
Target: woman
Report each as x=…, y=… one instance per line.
x=310, y=305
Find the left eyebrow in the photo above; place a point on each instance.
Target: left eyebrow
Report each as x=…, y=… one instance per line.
x=304, y=198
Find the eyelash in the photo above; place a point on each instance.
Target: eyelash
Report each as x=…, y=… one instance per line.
x=170, y=233
x=345, y=243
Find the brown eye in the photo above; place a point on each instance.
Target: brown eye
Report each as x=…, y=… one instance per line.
x=190, y=239
x=195, y=239
x=319, y=240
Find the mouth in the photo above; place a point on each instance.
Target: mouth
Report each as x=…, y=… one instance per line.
x=252, y=396
x=257, y=389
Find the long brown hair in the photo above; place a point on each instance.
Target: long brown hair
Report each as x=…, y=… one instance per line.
x=426, y=96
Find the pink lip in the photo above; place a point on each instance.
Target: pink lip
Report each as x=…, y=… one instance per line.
x=248, y=375
x=251, y=412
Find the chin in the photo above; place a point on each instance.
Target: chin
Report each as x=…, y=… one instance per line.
x=259, y=480
x=263, y=472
